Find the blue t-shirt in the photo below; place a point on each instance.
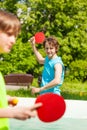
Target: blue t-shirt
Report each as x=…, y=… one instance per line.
x=49, y=73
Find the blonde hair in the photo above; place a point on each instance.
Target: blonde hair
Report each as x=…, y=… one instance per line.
x=9, y=21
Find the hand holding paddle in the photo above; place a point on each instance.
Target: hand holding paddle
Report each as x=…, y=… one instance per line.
x=53, y=107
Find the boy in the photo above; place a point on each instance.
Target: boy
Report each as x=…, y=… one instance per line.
x=53, y=73
x=9, y=29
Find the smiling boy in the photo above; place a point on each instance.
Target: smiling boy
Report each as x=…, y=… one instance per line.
x=53, y=72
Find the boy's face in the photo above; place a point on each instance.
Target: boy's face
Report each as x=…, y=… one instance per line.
x=50, y=50
x=6, y=41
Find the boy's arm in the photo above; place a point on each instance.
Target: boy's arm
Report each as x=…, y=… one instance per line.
x=39, y=57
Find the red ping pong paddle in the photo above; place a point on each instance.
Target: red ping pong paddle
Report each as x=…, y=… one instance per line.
x=39, y=37
x=53, y=107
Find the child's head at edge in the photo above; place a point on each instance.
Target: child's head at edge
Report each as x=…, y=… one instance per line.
x=9, y=29
x=9, y=21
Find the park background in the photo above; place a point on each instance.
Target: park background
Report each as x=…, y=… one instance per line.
x=67, y=21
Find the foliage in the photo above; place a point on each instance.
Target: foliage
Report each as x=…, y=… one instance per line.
x=78, y=70
x=65, y=19
x=20, y=60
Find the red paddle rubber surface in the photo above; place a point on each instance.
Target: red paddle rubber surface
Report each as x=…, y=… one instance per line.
x=53, y=107
x=39, y=37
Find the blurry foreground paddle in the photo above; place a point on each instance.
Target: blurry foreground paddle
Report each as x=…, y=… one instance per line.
x=53, y=107
x=39, y=37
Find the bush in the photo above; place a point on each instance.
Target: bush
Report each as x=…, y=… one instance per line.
x=77, y=71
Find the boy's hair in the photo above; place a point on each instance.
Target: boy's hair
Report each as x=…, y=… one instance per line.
x=9, y=21
x=51, y=41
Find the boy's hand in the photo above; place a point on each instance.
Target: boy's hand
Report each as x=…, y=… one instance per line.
x=32, y=40
x=35, y=90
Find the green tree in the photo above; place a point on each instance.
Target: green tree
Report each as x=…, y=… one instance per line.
x=65, y=19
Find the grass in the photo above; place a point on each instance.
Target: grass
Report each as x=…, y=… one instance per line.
x=74, y=90
x=20, y=93
x=69, y=90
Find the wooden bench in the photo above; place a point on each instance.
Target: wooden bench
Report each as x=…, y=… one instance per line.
x=19, y=79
